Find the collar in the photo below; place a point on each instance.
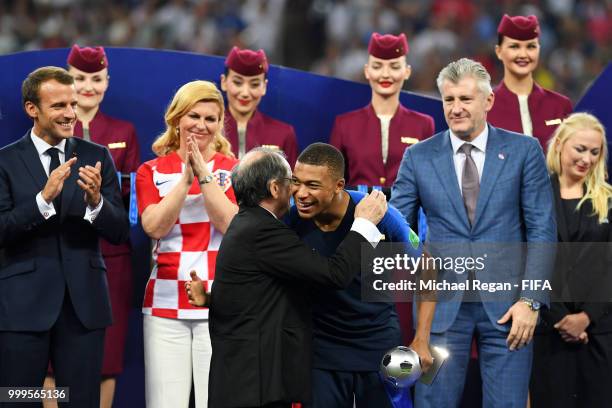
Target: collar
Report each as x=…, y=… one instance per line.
x=95, y=122
x=269, y=211
x=372, y=111
x=255, y=117
x=480, y=142
x=501, y=88
x=42, y=146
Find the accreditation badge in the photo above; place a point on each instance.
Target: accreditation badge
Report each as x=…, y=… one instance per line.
x=409, y=140
x=117, y=145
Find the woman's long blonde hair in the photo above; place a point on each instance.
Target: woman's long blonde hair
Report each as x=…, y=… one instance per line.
x=184, y=99
x=597, y=189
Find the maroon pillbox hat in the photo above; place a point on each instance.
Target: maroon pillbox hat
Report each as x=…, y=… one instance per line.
x=519, y=27
x=247, y=62
x=88, y=59
x=388, y=46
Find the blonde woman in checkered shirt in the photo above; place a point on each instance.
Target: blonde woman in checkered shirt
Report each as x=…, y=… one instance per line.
x=186, y=202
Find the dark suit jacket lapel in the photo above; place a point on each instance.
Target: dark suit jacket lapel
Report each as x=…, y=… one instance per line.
x=31, y=160
x=561, y=221
x=495, y=158
x=443, y=163
x=70, y=185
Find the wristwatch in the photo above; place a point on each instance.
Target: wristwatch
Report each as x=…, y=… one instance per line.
x=533, y=304
x=206, y=180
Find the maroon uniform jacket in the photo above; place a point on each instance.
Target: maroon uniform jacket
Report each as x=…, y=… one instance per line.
x=120, y=138
x=357, y=135
x=262, y=130
x=546, y=108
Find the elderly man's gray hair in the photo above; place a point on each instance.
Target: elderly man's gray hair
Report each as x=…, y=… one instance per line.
x=252, y=176
x=465, y=67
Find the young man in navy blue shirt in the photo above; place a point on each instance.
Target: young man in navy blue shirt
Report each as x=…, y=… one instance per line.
x=350, y=335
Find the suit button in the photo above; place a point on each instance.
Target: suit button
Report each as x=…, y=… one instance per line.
x=383, y=180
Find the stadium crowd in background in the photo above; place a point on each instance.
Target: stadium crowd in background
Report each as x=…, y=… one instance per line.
x=575, y=36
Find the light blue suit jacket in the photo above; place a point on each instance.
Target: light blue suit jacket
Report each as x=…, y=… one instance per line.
x=515, y=204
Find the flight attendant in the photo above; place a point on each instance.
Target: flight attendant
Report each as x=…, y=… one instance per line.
x=245, y=82
x=521, y=105
x=89, y=67
x=373, y=138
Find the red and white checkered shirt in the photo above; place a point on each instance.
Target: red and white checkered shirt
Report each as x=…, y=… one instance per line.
x=191, y=244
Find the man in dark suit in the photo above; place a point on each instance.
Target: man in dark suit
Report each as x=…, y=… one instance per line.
x=480, y=185
x=58, y=196
x=260, y=322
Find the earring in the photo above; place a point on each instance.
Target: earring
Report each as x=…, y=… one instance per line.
x=177, y=131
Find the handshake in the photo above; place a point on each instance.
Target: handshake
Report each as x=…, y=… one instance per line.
x=195, y=291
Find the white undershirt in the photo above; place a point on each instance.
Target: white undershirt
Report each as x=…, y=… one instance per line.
x=525, y=115
x=385, y=122
x=241, y=140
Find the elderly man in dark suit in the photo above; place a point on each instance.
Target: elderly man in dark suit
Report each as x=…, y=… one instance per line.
x=58, y=196
x=260, y=322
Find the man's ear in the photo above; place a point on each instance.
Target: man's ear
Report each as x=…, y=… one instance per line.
x=340, y=184
x=31, y=109
x=274, y=189
x=489, y=101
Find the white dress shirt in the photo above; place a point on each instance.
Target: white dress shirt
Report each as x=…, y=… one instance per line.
x=478, y=153
x=48, y=209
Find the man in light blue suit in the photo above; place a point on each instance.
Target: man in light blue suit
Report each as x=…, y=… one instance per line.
x=480, y=185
